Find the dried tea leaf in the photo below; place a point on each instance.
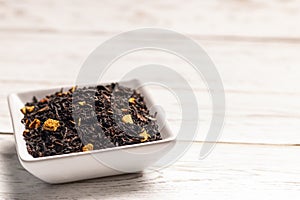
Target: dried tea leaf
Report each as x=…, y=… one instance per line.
x=106, y=97
x=151, y=118
x=44, y=100
x=127, y=119
x=51, y=125
x=66, y=139
x=35, y=124
x=141, y=117
x=145, y=135
x=43, y=109
x=88, y=147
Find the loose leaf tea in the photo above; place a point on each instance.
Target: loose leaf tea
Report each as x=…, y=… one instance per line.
x=86, y=119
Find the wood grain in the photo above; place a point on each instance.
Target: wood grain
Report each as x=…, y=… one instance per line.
x=260, y=80
x=246, y=18
x=255, y=46
x=230, y=172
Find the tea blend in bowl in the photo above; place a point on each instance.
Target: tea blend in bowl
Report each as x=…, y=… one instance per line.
x=86, y=119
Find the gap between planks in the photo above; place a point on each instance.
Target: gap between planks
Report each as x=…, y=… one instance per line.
x=216, y=38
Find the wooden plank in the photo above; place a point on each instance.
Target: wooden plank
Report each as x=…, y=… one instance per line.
x=250, y=19
x=235, y=61
x=232, y=171
x=255, y=75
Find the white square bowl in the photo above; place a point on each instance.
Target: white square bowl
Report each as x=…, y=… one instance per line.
x=86, y=165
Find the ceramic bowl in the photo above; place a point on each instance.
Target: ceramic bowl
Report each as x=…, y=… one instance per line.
x=86, y=165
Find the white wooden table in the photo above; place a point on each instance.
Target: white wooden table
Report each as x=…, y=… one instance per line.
x=255, y=46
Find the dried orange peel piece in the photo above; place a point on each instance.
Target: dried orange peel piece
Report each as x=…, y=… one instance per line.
x=73, y=89
x=23, y=110
x=82, y=103
x=51, y=125
x=145, y=135
x=127, y=119
x=88, y=147
x=79, y=122
x=27, y=109
x=26, y=132
x=35, y=124
x=131, y=100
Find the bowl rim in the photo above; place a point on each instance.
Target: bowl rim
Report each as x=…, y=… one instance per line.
x=11, y=98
